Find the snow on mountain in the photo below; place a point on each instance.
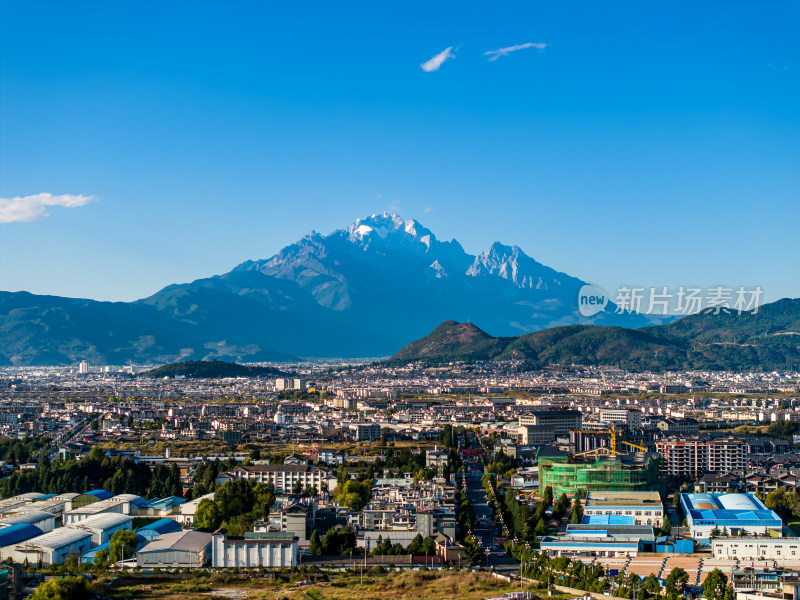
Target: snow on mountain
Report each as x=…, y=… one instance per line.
x=364, y=290
x=512, y=264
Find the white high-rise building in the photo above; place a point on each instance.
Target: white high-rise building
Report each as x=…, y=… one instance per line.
x=83, y=367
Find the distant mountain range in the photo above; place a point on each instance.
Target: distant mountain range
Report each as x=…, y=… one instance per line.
x=362, y=291
x=765, y=341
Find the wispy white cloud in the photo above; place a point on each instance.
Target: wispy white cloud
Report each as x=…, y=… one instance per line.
x=436, y=62
x=32, y=208
x=495, y=54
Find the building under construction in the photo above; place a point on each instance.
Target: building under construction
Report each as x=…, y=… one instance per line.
x=613, y=473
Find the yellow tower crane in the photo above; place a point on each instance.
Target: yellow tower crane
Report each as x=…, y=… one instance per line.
x=613, y=433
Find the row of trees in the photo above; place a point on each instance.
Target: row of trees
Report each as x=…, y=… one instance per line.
x=17, y=452
x=117, y=475
x=419, y=546
x=335, y=542
x=342, y=541
x=593, y=578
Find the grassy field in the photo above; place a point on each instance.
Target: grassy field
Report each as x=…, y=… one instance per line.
x=407, y=585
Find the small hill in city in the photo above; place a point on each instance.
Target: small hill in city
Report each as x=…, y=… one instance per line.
x=454, y=341
x=212, y=369
x=764, y=340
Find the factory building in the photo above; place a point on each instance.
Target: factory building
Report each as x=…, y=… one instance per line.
x=176, y=550
x=615, y=536
x=101, y=527
x=9, y=536
x=95, y=508
x=43, y=520
x=12, y=506
x=90, y=497
x=55, y=504
x=735, y=514
x=151, y=531
x=271, y=549
x=51, y=548
x=644, y=507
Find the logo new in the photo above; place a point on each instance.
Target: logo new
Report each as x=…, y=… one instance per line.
x=591, y=300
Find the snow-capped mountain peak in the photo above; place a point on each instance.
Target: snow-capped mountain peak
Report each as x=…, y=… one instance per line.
x=388, y=225
x=512, y=264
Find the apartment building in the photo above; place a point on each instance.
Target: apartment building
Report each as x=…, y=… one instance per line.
x=562, y=421
x=691, y=457
x=367, y=432
x=531, y=434
x=623, y=418
x=678, y=427
x=284, y=477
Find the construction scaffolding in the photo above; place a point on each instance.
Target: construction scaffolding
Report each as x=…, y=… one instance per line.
x=630, y=473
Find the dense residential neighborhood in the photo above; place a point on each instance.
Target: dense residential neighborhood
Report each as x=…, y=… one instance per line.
x=402, y=467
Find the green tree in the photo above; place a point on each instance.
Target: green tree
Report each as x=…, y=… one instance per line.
x=666, y=525
x=100, y=561
x=66, y=588
x=123, y=544
x=315, y=545
x=547, y=496
x=715, y=584
x=651, y=585
x=208, y=515
x=676, y=582
x=576, y=517
x=428, y=547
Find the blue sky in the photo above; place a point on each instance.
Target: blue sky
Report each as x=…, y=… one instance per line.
x=646, y=143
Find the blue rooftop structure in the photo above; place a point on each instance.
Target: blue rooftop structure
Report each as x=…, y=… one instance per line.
x=88, y=557
x=18, y=533
x=608, y=520
x=731, y=512
x=165, y=503
x=99, y=494
x=45, y=497
x=157, y=528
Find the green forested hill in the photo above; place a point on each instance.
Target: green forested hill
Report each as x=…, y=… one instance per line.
x=211, y=369
x=766, y=340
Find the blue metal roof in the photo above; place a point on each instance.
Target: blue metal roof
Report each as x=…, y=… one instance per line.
x=18, y=533
x=99, y=494
x=728, y=509
x=45, y=497
x=608, y=520
x=165, y=502
x=88, y=556
x=157, y=528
